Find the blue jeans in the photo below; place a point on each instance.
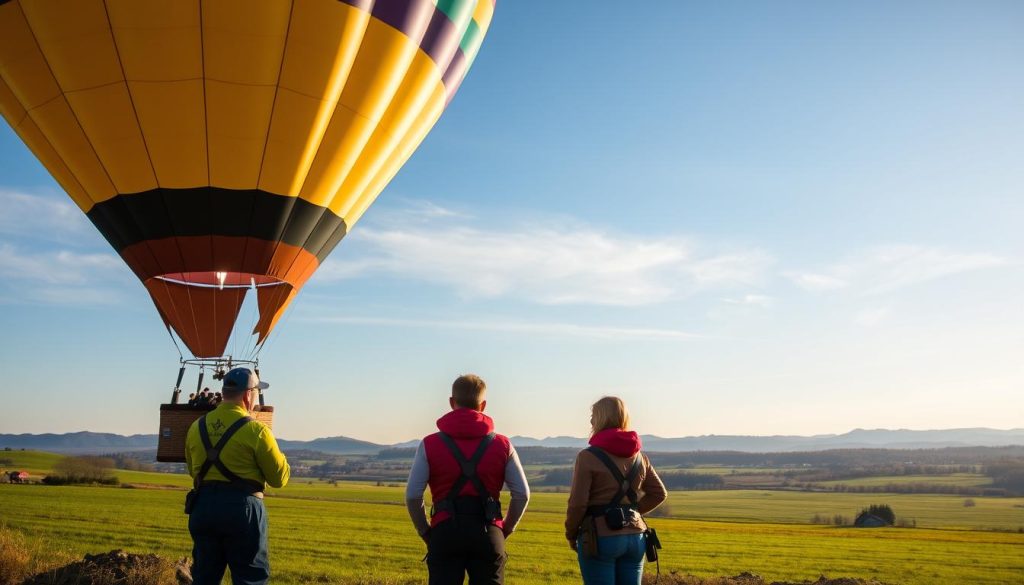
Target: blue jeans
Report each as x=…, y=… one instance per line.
x=229, y=528
x=620, y=560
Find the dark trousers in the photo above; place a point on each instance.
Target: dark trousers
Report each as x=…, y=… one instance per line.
x=466, y=544
x=229, y=528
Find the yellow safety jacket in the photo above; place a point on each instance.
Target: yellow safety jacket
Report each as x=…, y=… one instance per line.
x=251, y=453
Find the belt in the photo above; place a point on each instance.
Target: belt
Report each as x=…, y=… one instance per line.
x=256, y=493
x=463, y=505
x=601, y=510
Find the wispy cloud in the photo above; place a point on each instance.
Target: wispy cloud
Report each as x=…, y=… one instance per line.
x=60, y=267
x=751, y=300
x=885, y=269
x=817, y=282
x=78, y=295
x=549, y=329
x=47, y=271
x=61, y=277
x=549, y=263
x=52, y=218
x=872, y=316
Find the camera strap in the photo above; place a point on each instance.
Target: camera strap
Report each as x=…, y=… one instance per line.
x=213, y=456
x=625, y=482
x=468, y=470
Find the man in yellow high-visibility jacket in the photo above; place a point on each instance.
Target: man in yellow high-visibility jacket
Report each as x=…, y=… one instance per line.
x=228, y=521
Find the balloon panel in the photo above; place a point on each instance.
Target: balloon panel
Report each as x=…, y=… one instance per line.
x=229, y=136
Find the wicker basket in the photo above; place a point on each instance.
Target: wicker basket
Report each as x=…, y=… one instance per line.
x=175, y=419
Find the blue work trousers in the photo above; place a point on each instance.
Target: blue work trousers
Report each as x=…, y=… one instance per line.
x=229, y=528
x=620, y=560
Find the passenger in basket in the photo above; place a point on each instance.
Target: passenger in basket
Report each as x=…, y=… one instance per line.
x=465, y=466
x=613, y=486
x=228, y=521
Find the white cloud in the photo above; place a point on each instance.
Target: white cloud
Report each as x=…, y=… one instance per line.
x=872, y=316
x=549, y=264
x=53, y=218
x=551, y=329
x=61, y=277
x=751, y=300
x=60, y=267
x=77, y=295
x=44, y=275
x=817, y=282
x=885, y=269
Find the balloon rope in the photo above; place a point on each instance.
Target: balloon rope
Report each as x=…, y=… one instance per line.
x=247, y=335
x=174, y=307
x=175, y=342
x=232, y=342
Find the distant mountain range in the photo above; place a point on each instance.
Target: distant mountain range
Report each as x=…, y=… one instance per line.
x=80, y=442
x=87, y=442
x=855, y=439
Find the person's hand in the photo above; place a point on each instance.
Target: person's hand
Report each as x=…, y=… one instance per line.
x=572, y=545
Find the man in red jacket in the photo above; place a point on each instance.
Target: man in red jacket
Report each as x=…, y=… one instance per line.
x=465, y=466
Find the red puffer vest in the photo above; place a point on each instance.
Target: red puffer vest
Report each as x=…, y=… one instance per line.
x=468, y=427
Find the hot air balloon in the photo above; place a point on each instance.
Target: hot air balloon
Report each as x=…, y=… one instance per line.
x=226, y=146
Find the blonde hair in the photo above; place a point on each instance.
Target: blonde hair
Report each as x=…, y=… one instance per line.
x=609, y=413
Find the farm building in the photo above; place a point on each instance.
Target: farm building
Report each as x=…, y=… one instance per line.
x=17, y=476
x=866, y=520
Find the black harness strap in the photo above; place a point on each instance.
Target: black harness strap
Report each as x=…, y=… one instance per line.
x=213, y=456
x=468, y=467
x=625, y=482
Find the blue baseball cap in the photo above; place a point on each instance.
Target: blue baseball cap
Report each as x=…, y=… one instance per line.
x=240, y=379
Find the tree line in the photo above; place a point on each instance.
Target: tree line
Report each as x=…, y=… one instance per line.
x=84, y=469
x=1007, y=474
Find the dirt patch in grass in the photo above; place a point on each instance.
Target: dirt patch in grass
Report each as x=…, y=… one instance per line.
x=115, y=568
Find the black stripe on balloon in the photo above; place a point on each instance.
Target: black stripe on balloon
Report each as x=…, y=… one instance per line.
x=212, y=211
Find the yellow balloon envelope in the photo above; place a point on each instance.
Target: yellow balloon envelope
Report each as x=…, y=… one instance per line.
x=225, y=145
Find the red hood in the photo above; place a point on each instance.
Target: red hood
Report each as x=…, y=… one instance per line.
x=617, y=442
x=465, y=423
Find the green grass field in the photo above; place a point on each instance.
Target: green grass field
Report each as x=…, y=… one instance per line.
x=719, y=470
x=337, y=534
x=361, y=530
x=34, y=462
x=930, y=511
x=952, y=479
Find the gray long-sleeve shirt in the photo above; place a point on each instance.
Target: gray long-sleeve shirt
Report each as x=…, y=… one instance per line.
x=419, y=476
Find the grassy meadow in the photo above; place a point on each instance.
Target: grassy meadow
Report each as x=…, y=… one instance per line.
x=347, y=532
x=953, y=479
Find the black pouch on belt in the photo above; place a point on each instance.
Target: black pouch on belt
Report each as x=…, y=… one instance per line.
x=190, y=500
x=617, y=517
x=653, y=544
x=492, y=510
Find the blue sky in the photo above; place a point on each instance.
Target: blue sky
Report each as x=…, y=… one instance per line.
x=743, y=218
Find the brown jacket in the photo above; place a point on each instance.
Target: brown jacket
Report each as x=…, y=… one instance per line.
x=594, y=485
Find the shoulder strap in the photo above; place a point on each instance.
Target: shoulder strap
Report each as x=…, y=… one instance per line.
x=625, y=482
x=468, y=467
x=213, y=452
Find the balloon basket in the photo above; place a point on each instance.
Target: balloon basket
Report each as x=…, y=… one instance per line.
x=175, y=420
